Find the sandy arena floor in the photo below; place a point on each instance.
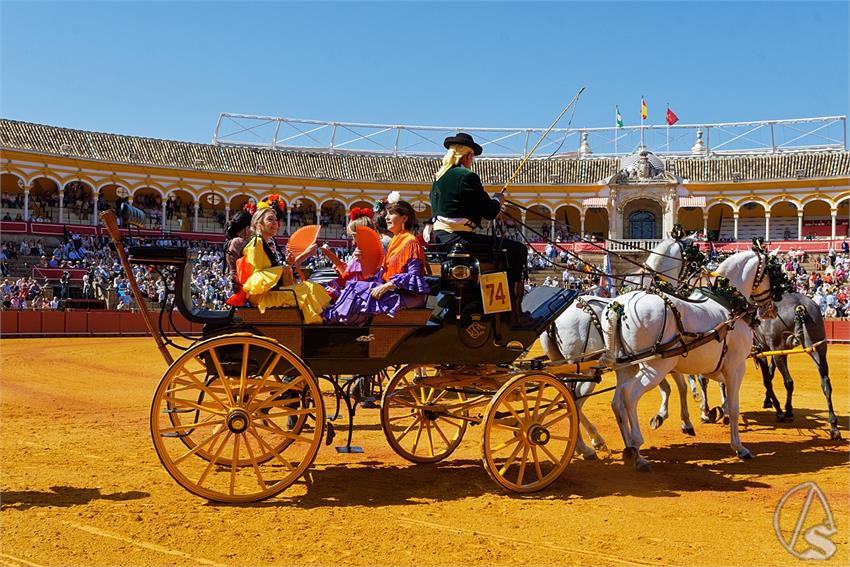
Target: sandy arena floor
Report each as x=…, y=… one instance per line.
x=82, y=485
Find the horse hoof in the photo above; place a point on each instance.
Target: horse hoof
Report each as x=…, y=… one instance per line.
x=789, y=415
x=745, y=454
x=689, y=431
x=767, y=404
x=656, y=422
x=642, y=465
x=714, y=414
x=705, y=419
x=834, y=434
x=590, y=457
x=725, y=420
x=629, y=454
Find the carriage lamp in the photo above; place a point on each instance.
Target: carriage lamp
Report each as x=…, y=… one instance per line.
x=461, y=272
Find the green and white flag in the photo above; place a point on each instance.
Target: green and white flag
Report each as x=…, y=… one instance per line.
x=619, y=118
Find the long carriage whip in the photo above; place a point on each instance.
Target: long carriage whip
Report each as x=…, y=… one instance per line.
x=543, y=137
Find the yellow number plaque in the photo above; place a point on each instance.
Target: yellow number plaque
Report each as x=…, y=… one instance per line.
x=494, y=292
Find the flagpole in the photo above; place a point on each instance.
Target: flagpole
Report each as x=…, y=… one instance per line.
x=641, y=121
x=616, y=128
x=668, y=130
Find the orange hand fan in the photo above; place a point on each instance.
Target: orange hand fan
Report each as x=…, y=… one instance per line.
x=302, y=239
x=371, y=250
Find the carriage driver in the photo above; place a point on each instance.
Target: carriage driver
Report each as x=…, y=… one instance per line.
x=459, y=202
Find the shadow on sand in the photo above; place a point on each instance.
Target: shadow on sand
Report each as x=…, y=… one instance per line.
x=62, y=497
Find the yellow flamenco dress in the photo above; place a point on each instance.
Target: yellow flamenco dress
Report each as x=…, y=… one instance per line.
x=262, y=290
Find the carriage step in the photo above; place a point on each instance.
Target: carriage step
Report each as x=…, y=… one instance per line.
x=185, y=410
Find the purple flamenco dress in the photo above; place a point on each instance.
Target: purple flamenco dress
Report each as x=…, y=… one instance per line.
x=356, y=305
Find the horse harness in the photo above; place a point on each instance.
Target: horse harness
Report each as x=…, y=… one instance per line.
x=722, y=293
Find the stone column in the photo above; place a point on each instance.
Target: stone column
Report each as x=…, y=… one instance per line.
x=834, y=214
x=705, y=223
x=552, y=229
x=195, y=222
x=26, y=189
x=799, y=224
x=288, y=221
x=162, y=224
x=94, y=195
x=735, y=225
x=62, y=205
x=581, y=233
x=319, y=216
x=522, y=216
x=767, y=226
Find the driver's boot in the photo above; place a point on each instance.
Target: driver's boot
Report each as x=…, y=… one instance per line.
x=519, y=319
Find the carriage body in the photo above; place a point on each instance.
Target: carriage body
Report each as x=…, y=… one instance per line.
x=239, y=416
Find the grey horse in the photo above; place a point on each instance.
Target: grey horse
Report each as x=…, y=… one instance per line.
x=799, y=323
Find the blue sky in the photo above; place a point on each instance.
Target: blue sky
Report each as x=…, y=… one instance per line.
x=167, y=69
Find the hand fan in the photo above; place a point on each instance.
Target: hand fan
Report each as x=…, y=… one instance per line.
x=371, y=250
x=302, y=239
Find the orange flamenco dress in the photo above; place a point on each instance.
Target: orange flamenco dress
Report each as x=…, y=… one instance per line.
x=264, y=283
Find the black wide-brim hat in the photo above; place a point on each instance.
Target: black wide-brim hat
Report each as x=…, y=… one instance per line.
x=463, y=139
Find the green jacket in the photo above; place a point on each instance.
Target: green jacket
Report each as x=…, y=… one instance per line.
x=459, y=194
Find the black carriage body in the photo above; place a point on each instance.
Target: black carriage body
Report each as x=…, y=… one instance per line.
x=434, y=335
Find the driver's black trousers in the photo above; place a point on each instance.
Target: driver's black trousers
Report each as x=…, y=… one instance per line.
x=484, y=248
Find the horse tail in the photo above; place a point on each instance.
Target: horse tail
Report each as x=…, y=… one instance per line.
x=615, y=311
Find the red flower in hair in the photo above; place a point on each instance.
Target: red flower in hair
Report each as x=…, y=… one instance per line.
x=355, y=213
x=249, y=208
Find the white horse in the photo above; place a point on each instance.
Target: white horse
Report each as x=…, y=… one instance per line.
x=642, y=322
x=576, y=336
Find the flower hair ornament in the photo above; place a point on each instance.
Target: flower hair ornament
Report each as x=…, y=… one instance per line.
x=249, y=207
x=358, y=212
x=274, y=202
x=391, y=199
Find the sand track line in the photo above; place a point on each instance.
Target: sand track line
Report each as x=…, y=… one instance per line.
x=142, y=544
x=12, y=561
x=604, y=556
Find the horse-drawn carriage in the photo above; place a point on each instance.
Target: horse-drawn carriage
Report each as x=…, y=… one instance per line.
x=239, y=415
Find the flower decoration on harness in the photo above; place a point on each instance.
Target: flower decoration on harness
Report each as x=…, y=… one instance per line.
x=274, y=202
x=358, y=212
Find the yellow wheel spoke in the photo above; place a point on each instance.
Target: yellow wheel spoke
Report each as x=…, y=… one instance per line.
x=552, y=405
x=537, y=401
x=499, y=424
x=194, y=425
x=272, y=397
x=243, y=373
x=253, y=460
x=440, y=431
x=197, y=447
x=504, y=444
x=559, y=438
x=233, y=462
x=418, y=436
x=537, y=468
x=287, y=434
x=555, y=460
x=210, y=465
x=267, y=447
x=430, y=438
x=522, y=462
x=519, y=420
x=292, y=413
x=511, y=459
x=403, y=416
x=558, y=419
x=408, y=430
x=524, y=399
x=179, y=402
x=225, y=382
x=264, y=379
x=392, y=400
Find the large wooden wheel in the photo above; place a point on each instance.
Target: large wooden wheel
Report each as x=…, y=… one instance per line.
x=530, y=432
x=237, y=418
x=423, y=424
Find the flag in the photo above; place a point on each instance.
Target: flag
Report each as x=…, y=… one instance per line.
x=671, y=117
x=642, y=108
x=619, y=118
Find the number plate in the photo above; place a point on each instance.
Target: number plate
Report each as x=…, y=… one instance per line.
x=494, y=292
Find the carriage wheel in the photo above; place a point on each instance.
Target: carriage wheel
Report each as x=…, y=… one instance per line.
x=237, y=418
x=422, y=424
x=530, y=432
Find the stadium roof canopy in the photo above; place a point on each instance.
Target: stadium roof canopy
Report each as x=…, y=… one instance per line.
x=826, y=161
x=765, y=136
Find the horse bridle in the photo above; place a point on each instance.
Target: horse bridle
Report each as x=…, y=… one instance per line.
x=762, y=298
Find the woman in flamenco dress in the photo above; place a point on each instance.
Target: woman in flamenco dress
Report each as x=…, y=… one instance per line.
x=399, y=283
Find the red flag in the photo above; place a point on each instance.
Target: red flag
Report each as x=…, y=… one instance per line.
x=671, y=117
